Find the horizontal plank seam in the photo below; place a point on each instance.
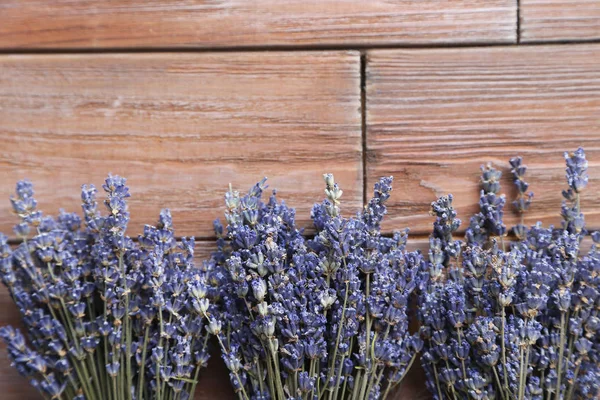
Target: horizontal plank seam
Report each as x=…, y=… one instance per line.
x=314, y=48
x=257, y=49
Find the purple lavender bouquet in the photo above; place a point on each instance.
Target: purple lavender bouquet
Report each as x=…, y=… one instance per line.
x=318, y=318
x=514, y=320
x=106, y=318
x=297, y=317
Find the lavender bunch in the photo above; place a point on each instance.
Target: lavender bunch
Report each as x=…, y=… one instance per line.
x=105, y=317
x=513, y=320
x=312, y=318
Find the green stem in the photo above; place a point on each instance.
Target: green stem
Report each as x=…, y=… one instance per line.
x=344, y=388
x=498, y=381
x=98, y=386
x=464, y=369
x=143, y=364
x=278, y=384
x=572, y=387
x=526, y=367
x=542, y=377
x=561, y=351
x=294, y=383
x=82, y=376
x=502, y=329
x=270, y=377
x=368, y=372
x=356, y=384
x=127, y=328
x=337, y=379
x=260, y=377
x=387, y=390
x=235, y=373
x=451, y=386
x=311, y=373
x=520, y=372
x=158, y=383
x=379, y=376
x=193, y=389
x=437, y=381
x=104, y=370
x=114, y=387
x=367, y=338
x=166, y=355
x=371, y=378
x=337, y=340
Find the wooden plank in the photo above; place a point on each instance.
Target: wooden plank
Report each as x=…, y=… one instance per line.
x=63, y=24
x=180, y=127
x=434, y=116
x=556, y=20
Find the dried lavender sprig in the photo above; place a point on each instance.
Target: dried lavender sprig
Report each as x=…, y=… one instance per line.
x=523, y=200
x=89, y=299
x=526, y=309
x=333, y=308
x=489, y=221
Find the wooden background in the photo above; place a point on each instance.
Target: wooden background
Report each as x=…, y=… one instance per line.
x=185, y=96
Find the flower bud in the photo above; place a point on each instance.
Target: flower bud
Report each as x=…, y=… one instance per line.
x=259, y=289
x=329, y=180
x=327, y=300
x=269, y=327
x=214, y=327
x=263, y=309
x=273, y=345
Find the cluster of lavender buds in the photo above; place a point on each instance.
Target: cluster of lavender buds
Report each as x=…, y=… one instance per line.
x=512, y=319
x=320, y=318
x=105, y=317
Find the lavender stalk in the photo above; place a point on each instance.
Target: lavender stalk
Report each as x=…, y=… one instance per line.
x=321, y=318
x=90, y=296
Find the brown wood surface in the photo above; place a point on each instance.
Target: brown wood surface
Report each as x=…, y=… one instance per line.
x=60, y=24
x=435, y=115
x=559, y=20
x=180, y=127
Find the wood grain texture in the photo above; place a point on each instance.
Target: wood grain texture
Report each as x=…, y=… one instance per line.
x=180, y=127
x=434, y=116
x=64, y=24
x=557, y=20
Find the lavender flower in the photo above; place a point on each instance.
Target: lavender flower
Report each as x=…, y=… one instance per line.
x=489, y=221
x=523, y=200
x=325, y=317
x=105, y=317
x=511, y=323
x=577, y=176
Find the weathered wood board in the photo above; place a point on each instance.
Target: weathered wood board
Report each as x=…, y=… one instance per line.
x=180, y=127
x=559, y=20
x=435, y=115
x=64, y=24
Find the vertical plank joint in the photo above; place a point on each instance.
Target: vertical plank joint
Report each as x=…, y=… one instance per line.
x=363, y=122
